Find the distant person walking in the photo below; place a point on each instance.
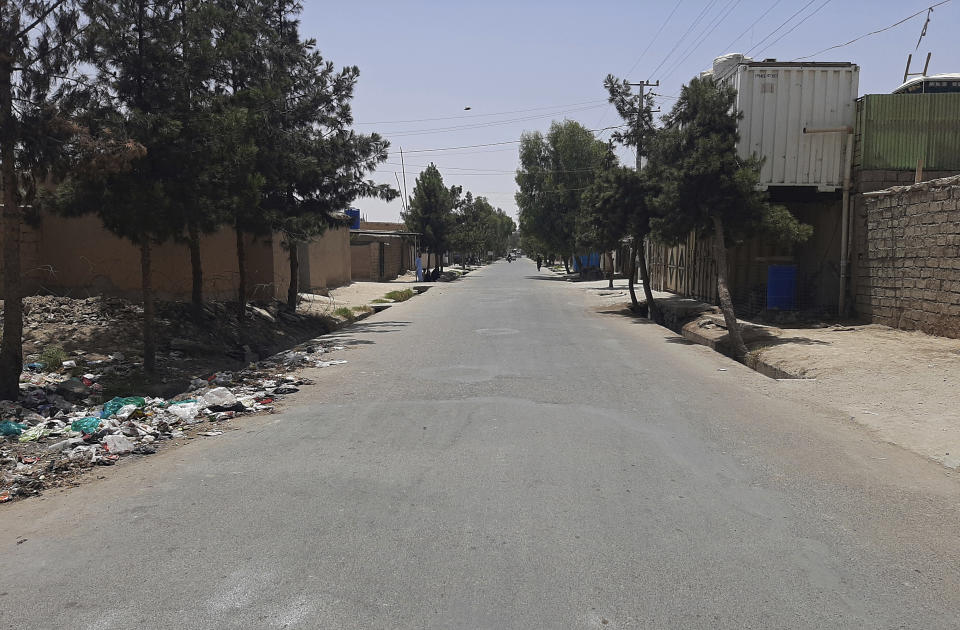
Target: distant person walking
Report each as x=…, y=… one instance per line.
x=539, y=262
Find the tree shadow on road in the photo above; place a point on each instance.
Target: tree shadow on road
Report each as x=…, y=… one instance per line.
x=551, y=278
x=349, y=336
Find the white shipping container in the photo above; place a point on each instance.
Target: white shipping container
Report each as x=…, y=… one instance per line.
x=781, y=99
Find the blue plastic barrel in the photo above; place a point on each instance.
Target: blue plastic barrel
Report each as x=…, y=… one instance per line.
x=782, y=287
x=354, y=215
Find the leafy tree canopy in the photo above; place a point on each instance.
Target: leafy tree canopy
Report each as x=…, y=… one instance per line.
x=554, y=172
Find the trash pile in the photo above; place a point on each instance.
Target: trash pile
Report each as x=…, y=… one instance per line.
x=60, y=427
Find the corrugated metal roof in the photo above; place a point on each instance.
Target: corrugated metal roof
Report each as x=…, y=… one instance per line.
x=897, y=130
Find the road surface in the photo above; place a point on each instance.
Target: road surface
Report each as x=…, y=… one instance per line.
x=499, y=454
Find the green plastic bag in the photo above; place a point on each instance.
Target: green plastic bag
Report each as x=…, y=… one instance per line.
x=113, y=406
x=8, y=428
x=34, y=434
x=85, y=425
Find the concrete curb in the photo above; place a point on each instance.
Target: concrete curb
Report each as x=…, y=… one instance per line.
x=685, y=320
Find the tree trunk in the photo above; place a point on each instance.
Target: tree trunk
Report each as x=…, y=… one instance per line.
x=196, y=270
x=737, y=346
x=631, y=267
x=242, y=282
x=652, y=311
x=566, y=264
x=294, y=290
x=146, y=285
x=11, y=349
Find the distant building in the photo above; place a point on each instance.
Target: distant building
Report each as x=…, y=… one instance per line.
x=381, y=251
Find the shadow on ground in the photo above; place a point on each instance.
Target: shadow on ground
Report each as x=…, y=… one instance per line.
x=349, y=336
x=551, y=278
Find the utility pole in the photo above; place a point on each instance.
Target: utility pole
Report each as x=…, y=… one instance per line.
x=640, y=248
x=640, y=106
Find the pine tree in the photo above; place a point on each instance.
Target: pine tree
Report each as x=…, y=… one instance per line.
x=618, y=204
x=430, y=211
x=37, y=62
x=241, y=112
x=636, y=110
x=133, y=47
x=313, y=164
x=706, y=187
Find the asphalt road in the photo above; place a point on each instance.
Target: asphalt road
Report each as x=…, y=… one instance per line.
x=498, y=454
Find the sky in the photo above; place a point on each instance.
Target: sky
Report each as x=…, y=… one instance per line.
x=518, y=65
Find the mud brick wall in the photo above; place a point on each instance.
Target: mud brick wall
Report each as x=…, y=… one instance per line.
x=909, y=273
x=31, y=271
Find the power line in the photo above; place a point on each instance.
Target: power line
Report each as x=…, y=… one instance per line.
x=722, y=15
x=795, y=26
x=754, y=23
x=659, y=30
x=493, y=144
x=690, y=28
x=774, y=32
x=515, y=111
x=493, y=123
x=486, y=171
x=604, y=116
x=881, y=30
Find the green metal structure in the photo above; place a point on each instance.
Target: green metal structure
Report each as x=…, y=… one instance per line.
x=895, y=131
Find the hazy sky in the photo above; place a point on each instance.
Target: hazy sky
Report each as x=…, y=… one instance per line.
x=520, y=64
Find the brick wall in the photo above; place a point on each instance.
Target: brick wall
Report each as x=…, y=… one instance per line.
x=908, y=275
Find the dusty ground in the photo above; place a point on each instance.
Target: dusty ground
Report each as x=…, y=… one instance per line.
x=900, y=385
x=356, y=294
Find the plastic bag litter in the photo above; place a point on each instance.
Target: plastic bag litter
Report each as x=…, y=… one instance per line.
x=8, y=428
x=126, y=411
x=186, y=411
x=87, y=425
x=219, y=397
x=113, y=406
x=118, y=445
x=37, y=432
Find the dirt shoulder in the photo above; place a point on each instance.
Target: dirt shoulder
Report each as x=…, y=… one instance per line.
x=900, y=385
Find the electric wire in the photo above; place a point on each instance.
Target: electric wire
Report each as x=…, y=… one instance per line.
x=752, y=24
x=692, y=26
x=493, y=123
x=795, y=26
x=651, y=42
x=485, y=171
x=871, y=33
x=493, y=144
x=515, y=111
x=776, y=30
x=718, y=19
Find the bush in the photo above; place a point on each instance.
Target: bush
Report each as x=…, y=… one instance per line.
x=53, y=357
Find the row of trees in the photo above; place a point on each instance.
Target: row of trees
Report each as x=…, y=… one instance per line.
x=450, y=220
x=169, y=119
x=573, y=196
